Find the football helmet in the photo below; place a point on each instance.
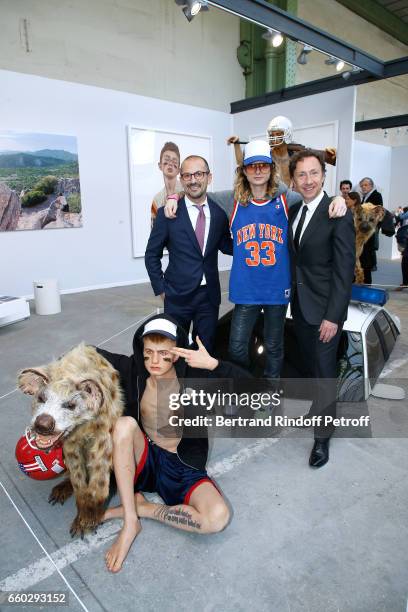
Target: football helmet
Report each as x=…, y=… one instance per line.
x=279, y=124
x=38, y=463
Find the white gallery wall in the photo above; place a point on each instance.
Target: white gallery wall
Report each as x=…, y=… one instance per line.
x=387, y=166
x=100, y=253
x=398, y=180
x=334, y=110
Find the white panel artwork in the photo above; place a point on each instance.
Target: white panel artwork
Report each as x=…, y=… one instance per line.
x=145, y=177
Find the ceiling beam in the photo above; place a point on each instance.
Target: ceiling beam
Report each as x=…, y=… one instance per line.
x=270, y=16
x=391, y=69
x=380, y=16
x=382, y=123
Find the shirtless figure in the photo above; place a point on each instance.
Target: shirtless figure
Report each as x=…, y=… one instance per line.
x=149, y=454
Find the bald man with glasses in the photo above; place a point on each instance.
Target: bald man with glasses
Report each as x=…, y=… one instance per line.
x=190, y=286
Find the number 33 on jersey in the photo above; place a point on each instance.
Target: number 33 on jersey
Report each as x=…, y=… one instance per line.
x=260, y=271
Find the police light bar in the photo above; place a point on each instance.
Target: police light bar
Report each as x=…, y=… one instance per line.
x=369, y=295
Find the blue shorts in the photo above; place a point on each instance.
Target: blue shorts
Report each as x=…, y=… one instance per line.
x=162, y=472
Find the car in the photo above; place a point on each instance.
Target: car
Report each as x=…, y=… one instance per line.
x=368, y=337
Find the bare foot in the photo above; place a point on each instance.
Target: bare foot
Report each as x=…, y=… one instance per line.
x=117, y=553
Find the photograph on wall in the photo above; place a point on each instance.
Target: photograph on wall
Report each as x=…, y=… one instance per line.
x=39, y=181
x=154, y=162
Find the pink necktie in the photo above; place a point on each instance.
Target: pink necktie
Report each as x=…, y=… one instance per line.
x=200, y=226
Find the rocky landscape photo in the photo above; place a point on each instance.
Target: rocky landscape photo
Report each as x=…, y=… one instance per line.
x=39, y=182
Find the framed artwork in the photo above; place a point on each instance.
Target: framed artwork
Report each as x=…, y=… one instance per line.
x=39, y=182
x=147, y=179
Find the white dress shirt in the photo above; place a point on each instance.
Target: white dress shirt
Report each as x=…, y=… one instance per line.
x=311, y=209
x=193, y=213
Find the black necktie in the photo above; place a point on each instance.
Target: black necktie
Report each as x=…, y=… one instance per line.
x=300, y=227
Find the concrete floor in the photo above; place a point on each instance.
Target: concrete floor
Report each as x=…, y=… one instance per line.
x=331, y=540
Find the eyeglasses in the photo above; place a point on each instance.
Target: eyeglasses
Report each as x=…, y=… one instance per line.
x=187, y=176
x=262, y=168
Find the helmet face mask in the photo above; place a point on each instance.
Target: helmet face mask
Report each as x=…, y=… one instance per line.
x=279, y=130
x=38, y=463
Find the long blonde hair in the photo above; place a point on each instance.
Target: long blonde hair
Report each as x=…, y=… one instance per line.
x=242, y=188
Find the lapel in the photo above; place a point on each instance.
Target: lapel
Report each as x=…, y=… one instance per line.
x=320, y=213
x=187, y=226
x=293, y=211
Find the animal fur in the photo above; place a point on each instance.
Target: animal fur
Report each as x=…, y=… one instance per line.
x=79, y=398
x=366, y=219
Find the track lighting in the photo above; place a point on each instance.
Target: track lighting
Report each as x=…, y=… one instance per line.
x=334, y=61
x=192, y=7
x=274, y=36
x=347, y=73
x=302, y=57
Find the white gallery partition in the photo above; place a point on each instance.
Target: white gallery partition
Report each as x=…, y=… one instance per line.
x=315, y=118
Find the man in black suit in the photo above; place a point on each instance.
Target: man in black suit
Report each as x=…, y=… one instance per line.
x=322, y=258
x=368, y=257
x=368, y=193
x=190, y=286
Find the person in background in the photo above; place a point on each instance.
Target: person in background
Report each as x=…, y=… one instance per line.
x=368, y=257
x=402, y=240
x=345, y=188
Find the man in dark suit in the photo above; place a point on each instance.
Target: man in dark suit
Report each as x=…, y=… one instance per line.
x=322, y=258
x=368, y=257
x=368, y=193
x=190, y=286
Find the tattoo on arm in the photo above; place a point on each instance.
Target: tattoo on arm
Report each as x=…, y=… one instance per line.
x=175, y=515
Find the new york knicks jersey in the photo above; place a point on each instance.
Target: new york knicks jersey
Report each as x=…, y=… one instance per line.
x=260, y=271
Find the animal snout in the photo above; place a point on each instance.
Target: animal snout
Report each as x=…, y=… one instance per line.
x=44, y=424
x=364, y=226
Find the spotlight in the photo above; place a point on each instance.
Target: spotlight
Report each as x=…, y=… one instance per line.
x=192, y=7
x=274, y=36
x=385, y=133
x=334, y=61
x=302, y=58
x=347, y=73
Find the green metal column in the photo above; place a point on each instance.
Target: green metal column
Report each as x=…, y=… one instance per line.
x=264, y=67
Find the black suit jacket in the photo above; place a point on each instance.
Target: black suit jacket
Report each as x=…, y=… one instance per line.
x=375, y=198
x=323, y=267
x=187, y=263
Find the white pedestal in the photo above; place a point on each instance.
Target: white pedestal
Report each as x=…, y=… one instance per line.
x=47, y=297
x=13, y=309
